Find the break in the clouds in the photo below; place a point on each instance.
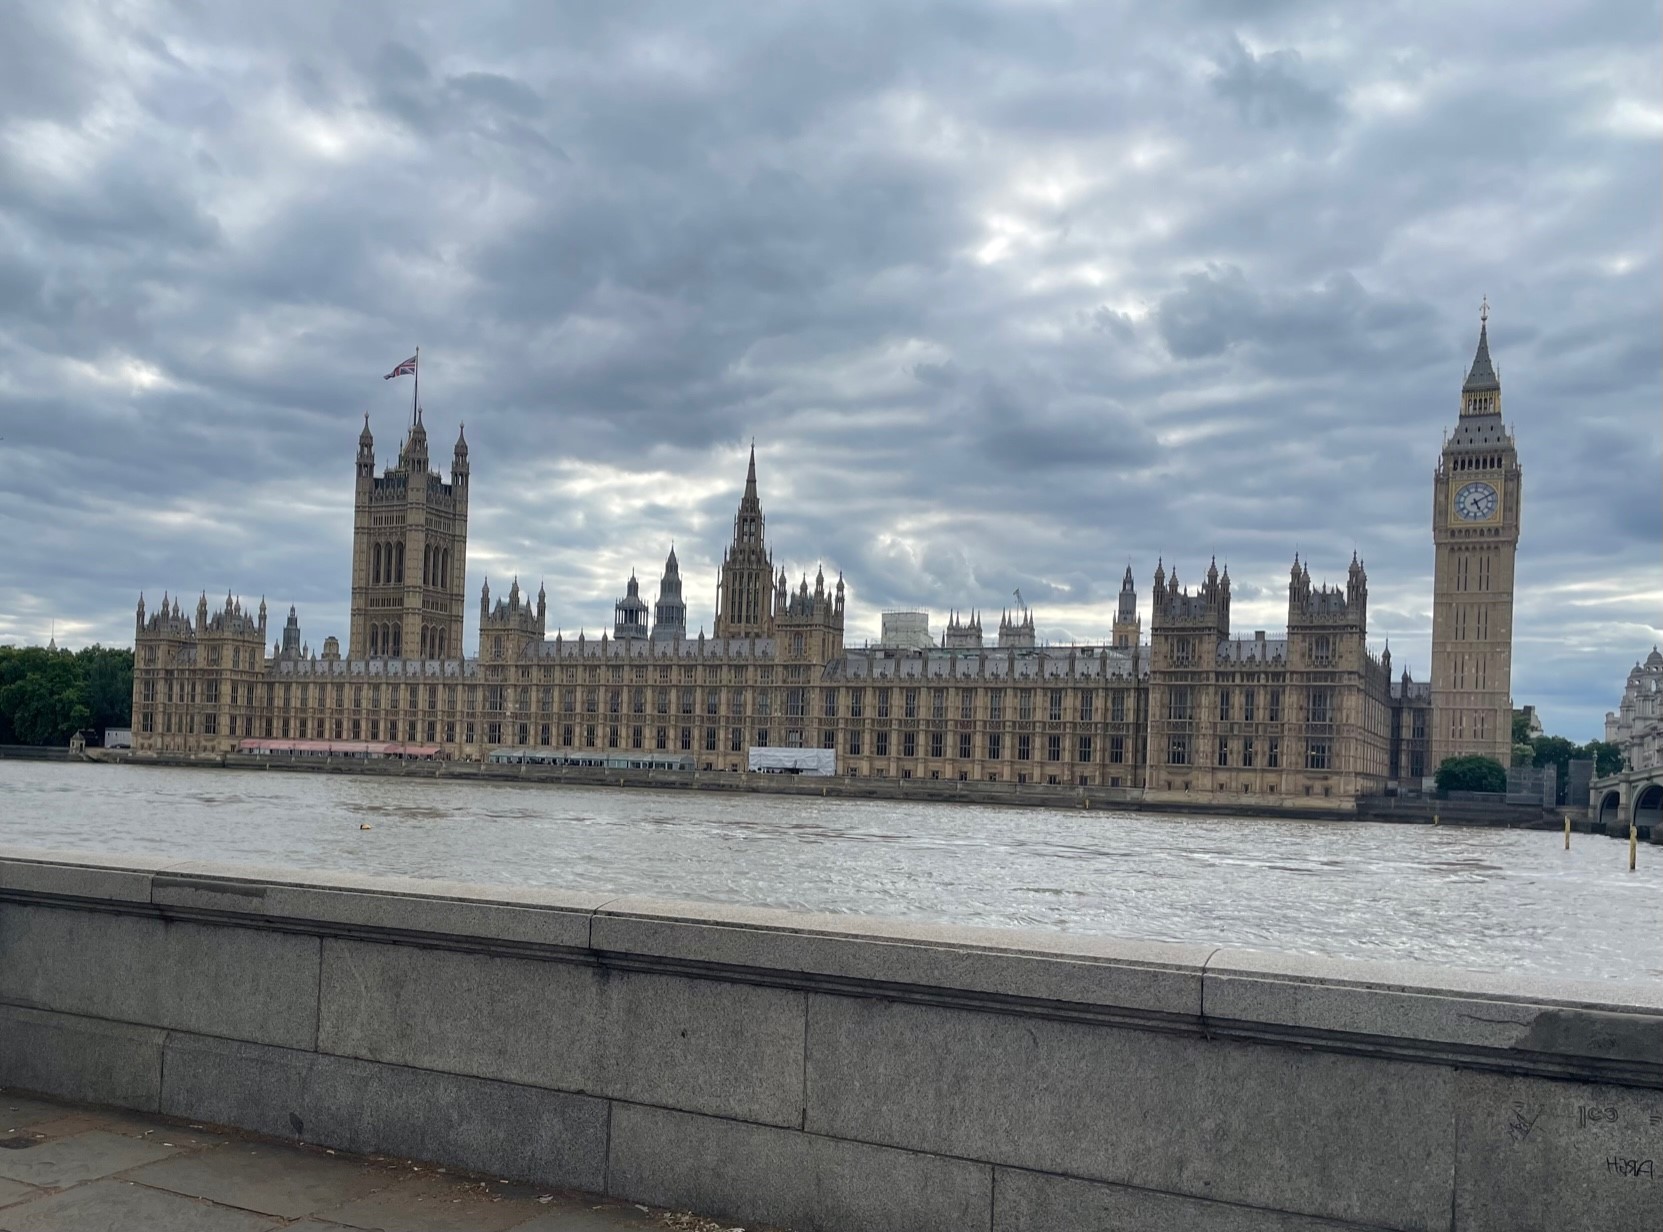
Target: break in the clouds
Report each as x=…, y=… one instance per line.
x=1009, y=295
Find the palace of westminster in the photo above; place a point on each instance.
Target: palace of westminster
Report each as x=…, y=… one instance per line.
x=1195, y=711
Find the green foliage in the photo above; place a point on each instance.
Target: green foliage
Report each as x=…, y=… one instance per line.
x=1558, y=752
x=46, y=696
x=1472, y=774
x=1608, y=758
x=1555, y=751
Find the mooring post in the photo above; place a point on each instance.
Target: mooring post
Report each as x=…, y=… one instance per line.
x=1567, y=831
x=1633, y=844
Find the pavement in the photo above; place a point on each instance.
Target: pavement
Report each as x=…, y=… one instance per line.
x=73, y=1168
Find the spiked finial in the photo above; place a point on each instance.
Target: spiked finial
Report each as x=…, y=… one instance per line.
x=1482, y=378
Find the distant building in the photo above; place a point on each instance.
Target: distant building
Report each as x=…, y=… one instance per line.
x=905, y=631
x=1636, y=726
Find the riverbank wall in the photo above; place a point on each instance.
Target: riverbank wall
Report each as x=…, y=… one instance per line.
x=36, y=752
x=828, y=1072
x=944, y=791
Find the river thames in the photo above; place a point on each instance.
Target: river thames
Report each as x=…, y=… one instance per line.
x=1490, y=900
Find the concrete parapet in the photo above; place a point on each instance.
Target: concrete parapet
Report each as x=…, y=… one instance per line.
x=823, y=1072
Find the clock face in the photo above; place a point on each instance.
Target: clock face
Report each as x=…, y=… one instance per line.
x=1476, y=502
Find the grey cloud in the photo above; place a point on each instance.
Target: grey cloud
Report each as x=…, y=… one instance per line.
x=1272, y=89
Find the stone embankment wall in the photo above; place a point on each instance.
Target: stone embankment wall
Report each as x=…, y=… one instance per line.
x=953, y=791
x=829, y=1072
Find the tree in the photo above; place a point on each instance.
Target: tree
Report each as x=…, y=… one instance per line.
x=1521, y=728
x=108, y=691
x=46, y=696
x=1472, y=774
x=1607, y=757
x=1555, y=751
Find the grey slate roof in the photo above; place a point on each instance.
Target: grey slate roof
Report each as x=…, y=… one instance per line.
x=1482, y=378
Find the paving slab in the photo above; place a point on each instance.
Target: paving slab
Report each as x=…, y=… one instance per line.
x=121, y=1206
x=137, y=1125
x=608, y=1218
x=16, y=1111
x=274, y=1180
x=15, y=1191
x=57, y=1162
x=435, y=1204
x=63, y=1125
x=173, y=1176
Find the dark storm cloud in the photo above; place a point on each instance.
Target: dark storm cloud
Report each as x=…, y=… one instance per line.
x=1008, y=296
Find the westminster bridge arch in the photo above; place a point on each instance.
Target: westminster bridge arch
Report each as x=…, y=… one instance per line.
x=1631, y=797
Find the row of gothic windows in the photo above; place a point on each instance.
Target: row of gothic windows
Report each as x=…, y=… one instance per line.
x=387, y=639
x=387, y=565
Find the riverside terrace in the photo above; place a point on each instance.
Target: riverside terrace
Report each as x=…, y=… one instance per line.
x=824, y=1073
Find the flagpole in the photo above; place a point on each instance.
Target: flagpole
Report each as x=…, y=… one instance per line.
x=415, y=392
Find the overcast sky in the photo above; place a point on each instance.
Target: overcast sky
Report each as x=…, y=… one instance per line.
x=1009, y=295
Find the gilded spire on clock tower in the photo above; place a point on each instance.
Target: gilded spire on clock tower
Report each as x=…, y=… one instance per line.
x=1476, y=498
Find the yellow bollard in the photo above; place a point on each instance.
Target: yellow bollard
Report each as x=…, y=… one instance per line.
x=1567, y=831
x=1633, y=844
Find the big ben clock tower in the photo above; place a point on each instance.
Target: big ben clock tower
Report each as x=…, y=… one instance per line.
x=1476, y=498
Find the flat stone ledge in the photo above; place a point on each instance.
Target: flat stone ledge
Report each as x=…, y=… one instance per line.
x=511, y=914
x=1584, y=1021
x=1141, y=976
x=114, y=878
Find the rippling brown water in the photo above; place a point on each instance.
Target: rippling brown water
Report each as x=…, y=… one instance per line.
x=1508, y=900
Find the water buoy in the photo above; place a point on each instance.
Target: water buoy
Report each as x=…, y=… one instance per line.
x=364, y=825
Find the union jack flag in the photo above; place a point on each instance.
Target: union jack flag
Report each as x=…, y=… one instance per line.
x=407, y=368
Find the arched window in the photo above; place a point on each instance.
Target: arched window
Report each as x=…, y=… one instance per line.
x=375, y=638
x=399, y=557
x=443, y=643
x=375, y=564
x=398, y=637
x=444, y=567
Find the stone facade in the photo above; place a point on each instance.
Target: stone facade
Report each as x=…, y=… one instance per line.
x=1199, y=713
x=1636, y=726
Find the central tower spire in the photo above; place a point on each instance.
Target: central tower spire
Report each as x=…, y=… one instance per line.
x=744, y=595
